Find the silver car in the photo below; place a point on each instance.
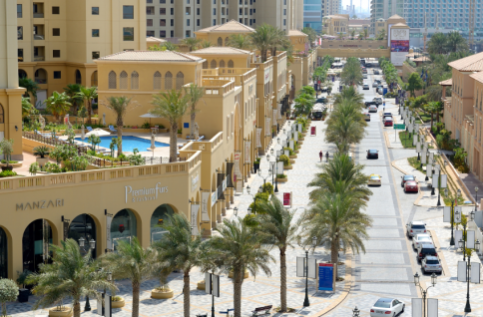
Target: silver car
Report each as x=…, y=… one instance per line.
x=431, y=264
x=415, y=227
x=421, y=238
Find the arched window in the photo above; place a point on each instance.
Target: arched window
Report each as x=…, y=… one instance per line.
x=78, y=77
x=1, y=114
x=179, y=80
x=213, y=64
x=220, y=41
x=222, y=64
x=22, y=73
x=123, y=80
x=134, y=80
x=231, y=64
x=157, y=81
x=168, y=81
x=205, y=64
x=112, y=80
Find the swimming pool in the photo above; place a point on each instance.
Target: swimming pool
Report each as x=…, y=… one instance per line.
x=129, y=143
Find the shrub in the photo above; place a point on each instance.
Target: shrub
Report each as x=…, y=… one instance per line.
x=146, y=125
x=8, y=293
x=285, y=159
x=289, y=150
x=8, y=174
x=281, y=176
x=11, y=162
x=267, y=188
x=51, y=168
x=34, y=168
x=41, y=151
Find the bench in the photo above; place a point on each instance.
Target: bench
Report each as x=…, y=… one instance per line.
x=264, y=309
x=227, y=312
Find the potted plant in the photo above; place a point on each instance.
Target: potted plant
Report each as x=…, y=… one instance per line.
x=6, y=147
x=281, y=178
x=41, y=152
x=163, y=291
x=256, y=165
x=8, y=293
x=24, y=293
x=286, y=162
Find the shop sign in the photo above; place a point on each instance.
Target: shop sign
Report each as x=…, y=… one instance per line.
x=41, y=204
x=214, y=197
x=144, y=194
x=194, y=218
x=204, y=206
x=223, y=184
x=287, y=199
x=194, y=182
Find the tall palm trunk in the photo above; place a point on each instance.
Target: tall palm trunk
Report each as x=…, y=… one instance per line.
x=173, y=142
x=77, y=309
x=120, y=123
x=264, y=55
x=237, y=289
x=283, y=280
x=89, y=110
x=135, y=298
x=432, y=115
x=334, y=253
x=193, y=118
x=186, y=293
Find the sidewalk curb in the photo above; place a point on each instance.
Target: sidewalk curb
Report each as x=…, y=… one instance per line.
x=440, y=254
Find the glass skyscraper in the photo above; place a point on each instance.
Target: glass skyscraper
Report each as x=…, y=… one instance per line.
x=313, y=13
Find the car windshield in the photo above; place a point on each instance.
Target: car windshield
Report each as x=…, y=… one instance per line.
x=382, y=304
x=408, y=177
x=374, y=177
x=432, y=262
x=418, y=227
x=428, y=251
x=372, y=151
x=424, y=238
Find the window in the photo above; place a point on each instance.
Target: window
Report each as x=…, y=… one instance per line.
x=95, y=10
x=95, y=32
x=20, y=54
x=112, y=80
x=128, y=34
x=128, y=12
x=134, y=80
x=55, y=10
x=55, y=32
x=188, y=34
x=150, y=33
x=162, y=1
x=96, y=55
x=172, y=23
x=57, y=74
x=56, y=53
x=123, y=80
x=162, y=34
x=284, y=22
x=231, y=64
x=214, y=21
x=149, y=1
x=179, y=80
x=171, y=11
x=157, y=81
x=168, y=81
x=19, y=10
x=198, y=22
x=222, y=64
x=284, y=11
x=162, y=22
x=187, y=22
x=19, y=32
x=149, y=22
x=172, y=33
x=214, y=11
x=149, y=10
x=213, y=64
x=162, y=11
x=198, y=11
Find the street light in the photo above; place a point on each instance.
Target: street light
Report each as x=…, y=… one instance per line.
x=355, y=312
x=306, y=249
x=264, y=178
x=476, y=199
x=92, y=246
x=468, y=267
x=274, y=167
x=424, y=292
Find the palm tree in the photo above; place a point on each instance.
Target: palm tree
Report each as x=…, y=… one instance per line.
x=346, y=124
x=237, y=248
x=58, y=104
x=71, y=275
x=30, y=86
x=311, y=34
x=180, y=250
x=194, y=93
x=72, y=90
x=437, y=44
x=132, y=261
x=349, y=93
x=432, y=107
x=165, y=46
x=276, y=227
x=262, y=39
x=206, y=44
x=119, y=106
x=335, y=219
x=171, y=105
x=366, y=33
x=361, y=36
x=340, y=35
x=353, y=34
x=455, y=42
x=27, y=107
x=304, y=104
x=351, y=74
x=88, y=95
x=191, y=42
x=279, y=41
x=239, y=41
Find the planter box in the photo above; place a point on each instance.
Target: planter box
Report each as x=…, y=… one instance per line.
x=292, y=161
x=200, y=285
x=118, y=303
x=247, y=274
x=162, y=294
x=293, y=156
x=289, y=167
x=282, y=180
x=65, y=312
x=23, y=295
x=42, y=161
x=14, y=165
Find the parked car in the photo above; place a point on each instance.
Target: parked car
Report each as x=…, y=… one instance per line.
x=321, y=100
x=431, y=264
x=323, y=89
x=376, y=72
x=421, y=238
x=364, y=70
x=370, y=103
x=415, y=227
x=378, y=100
x=372, y=154
x=375, y=180
x=411, y=187
x=406, y=178
x=364, y=76
x=372, y=108
x=387, y=114
x=387, y=307
x=388, y=122
x=365, y=87
x=426, y=249
x=367, y=116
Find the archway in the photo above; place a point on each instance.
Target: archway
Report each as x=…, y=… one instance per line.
x=78, y=77
x=41, y=76
x=94, y=81
x=157, y=219
x=22, y=73
x=123, y=227
x=3, y=254
x=83, y=226
x=35, y=244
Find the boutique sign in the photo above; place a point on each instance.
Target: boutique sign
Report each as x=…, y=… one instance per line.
x=144, y=194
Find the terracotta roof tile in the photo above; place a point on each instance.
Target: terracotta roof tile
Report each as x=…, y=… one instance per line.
x=221, y=50
x=468, y=64
x=155, y=39
x=154, y=56
x=230, y=26
x=478, y=77
x=447, y=82
x=296, y=33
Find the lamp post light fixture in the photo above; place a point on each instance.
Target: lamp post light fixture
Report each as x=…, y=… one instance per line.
x=476, y=198
x=424, y=292
x=91, y=247
x=355, y=312
x=468, y=277
x=306, y=248
x=264, y=178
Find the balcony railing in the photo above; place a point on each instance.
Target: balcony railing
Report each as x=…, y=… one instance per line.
x=38, y=15
x=39, y=58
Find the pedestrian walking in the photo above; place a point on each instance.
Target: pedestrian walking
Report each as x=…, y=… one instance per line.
x=321, y=155
x=327, y=155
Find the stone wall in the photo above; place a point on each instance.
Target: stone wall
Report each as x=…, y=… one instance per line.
x=354, y=44
x=365, y=53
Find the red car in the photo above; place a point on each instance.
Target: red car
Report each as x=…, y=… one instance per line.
x=411, y=187
x=388, y=122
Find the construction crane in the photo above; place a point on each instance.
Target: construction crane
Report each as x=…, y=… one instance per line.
x=471, y=25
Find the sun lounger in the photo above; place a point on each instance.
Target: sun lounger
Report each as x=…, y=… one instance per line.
x=111, y=128
x=89, y=128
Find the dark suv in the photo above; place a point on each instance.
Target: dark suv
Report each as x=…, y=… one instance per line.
x=426, y=249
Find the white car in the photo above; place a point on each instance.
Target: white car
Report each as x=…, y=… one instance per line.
x=431, y=264
x=421, y=238
x=415, y=227
x=372, y=108
x=389, y=307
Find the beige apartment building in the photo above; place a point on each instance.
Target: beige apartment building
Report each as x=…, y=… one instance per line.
x=59, y=40
x=182, y=18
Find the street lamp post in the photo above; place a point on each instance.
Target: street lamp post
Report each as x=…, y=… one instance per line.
x=439, y=189
x=476, y=198
x=468, y=267
x=264, y=178
x=306, y=300
x=355, y=312
x=92, y=246
x=424, y=292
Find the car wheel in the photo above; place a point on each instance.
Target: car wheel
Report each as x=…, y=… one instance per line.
x=402, y=310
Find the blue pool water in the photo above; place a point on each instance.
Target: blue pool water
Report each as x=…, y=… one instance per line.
x=129, y=143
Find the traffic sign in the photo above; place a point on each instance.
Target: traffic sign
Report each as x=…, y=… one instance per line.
x=399, y=127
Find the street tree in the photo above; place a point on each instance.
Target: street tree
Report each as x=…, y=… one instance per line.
x=414, y=83
x=119, y=106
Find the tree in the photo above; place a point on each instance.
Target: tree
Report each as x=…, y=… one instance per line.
x=205, y=44
x=361, y=36
x=345, y=125
x=236, y=249
x=366, y=33
x=437, y=44
x=304, y=104
x=58, y=104
x=27, y=107
x=310, y=33
x=72, y=91
x=414, y=83
x=8, y=293
x=262, y=39
x=171, y=105
x=30, y=86
x=191, y=42
x=88, y=95
x=455, y=42
x=340, y=35
x=119, y=106
x=353, y=34
x=194, y=93
x=433, y=107
x=165, y=46
x=181, y=250
x=349, y=93
x=381, y=35
x=276, y=227
x=239, y=41
x=94, y=140
x=132, y=261
x=351, y=74
x=71, y=275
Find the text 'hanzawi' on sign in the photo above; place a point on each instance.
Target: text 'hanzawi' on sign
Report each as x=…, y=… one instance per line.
x=41, y=204
x=144, y=194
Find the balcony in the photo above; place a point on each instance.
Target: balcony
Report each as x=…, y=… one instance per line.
x=38, y=10
x=39, y=32
x=39, y=53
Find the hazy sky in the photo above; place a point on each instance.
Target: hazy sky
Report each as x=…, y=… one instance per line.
x=357, y=3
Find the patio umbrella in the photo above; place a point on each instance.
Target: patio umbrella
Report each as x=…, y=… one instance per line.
x=150, y=116
x=83, y=133
x=98, y=132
